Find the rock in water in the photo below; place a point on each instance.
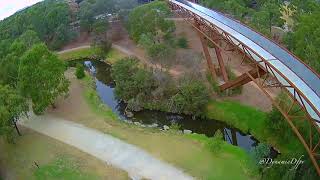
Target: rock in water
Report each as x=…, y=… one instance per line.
x=186, y=131
x=129, y=114
x=165, y=127
x=137, y=123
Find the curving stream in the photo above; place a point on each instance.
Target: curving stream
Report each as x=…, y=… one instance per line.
x=105, y=88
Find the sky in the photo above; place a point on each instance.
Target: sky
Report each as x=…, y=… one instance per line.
x=9, y=7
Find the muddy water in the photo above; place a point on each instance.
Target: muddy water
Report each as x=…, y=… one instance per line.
x=105, y=88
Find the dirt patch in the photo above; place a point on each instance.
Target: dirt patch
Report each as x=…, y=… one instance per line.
x=32, y=147
x=251, y=94
x=84, y=39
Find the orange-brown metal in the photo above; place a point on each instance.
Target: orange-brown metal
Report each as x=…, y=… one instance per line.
x=221, y=64
x=206, y=52
x=263, y=68
x=242, y=79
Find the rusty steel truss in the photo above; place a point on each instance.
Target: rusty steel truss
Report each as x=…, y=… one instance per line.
x=262, y=73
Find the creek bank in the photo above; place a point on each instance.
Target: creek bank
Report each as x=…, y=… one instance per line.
x=186, y=124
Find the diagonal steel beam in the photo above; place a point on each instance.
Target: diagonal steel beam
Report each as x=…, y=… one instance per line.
x=242, y=79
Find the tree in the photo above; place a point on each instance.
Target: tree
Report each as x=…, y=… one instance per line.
x=122, y=72
x=161, y=53
x=86, y=16
x=191, y=98
x=100, y=40
x=150, y=19
x=90, y=10
x=304, y=41
x=237, y=8
x=45, y=18
x=12, y=106
x=10, y=64
x=267, y=16
x=41, y=77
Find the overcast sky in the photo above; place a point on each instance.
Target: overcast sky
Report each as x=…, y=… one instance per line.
x=9, y=7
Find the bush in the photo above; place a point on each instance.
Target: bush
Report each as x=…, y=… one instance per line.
x=80, y=71
x=175, y=126
x=152, y=90
x=259, y=152
x=182, y=43
x=191, y=97
x=216, y=143
x=277, y=124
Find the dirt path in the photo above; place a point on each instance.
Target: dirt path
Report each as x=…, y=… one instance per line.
x=138, y=163
x=251, y=94
x=73, y=49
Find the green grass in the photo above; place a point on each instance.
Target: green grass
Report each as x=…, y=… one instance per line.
x=93, y=100
x=188, y=152
x=78, y=54
x=18, y=160
x=111, y=57
x=250, y=120
x=114, y=55
x=246, y=118
x=62, y=168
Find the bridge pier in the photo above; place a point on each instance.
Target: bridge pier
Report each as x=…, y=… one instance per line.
x=204, y=44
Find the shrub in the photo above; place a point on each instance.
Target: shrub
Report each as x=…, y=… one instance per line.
x=259, y=152
x=182, y=43
x=175, y=126
x=191, y=98
x=80, y=71
x=216, y=142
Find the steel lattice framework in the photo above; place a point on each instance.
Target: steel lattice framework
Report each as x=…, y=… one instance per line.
x=264, y=73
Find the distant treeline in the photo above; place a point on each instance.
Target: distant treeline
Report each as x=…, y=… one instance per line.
x=50, y=19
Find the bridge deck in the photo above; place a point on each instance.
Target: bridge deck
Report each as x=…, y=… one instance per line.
x=291, y=69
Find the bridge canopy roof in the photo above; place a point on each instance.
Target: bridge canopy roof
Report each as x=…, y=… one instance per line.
x=298, y=73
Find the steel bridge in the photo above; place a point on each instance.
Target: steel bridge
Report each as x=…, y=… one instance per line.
x=272, y=66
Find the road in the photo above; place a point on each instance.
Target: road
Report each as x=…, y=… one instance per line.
x=137, y=162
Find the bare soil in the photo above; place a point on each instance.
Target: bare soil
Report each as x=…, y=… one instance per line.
x=251, y=94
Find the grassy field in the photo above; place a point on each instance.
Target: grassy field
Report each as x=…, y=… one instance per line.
x=244, y=117
x=114, y=55
x=77, y=54
x=188, y=152
x=55, y=159
x=111, y=57
x=250, y=120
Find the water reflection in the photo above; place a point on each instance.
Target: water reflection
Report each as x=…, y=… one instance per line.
x=105, y=88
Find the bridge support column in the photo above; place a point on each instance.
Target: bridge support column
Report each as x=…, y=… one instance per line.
x=207, y=54
x=221, y=63
x=234, y=137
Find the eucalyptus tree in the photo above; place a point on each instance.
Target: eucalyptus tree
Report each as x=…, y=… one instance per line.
x=41, y=77
x=12, y=106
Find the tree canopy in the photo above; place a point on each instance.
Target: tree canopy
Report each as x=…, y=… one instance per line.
x=150, y=19
x=41, y=77
x=12, y=106
x=49, y=19
x=157, y=90
x=304, y=41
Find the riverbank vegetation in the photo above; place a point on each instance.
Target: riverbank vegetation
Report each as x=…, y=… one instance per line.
x=156, y=90
x=194, y=154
